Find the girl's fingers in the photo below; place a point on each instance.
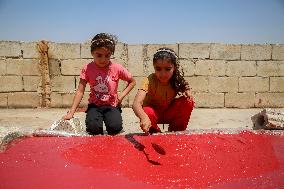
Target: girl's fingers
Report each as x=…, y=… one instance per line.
x=144, y=127
x=188, y=95
x=147, y=133
x=67, y=116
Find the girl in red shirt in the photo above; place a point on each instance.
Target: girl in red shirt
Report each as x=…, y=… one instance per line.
x=103, y=75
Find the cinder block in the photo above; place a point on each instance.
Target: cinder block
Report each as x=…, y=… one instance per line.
x=56, y=100
x=256, y=52
x=188, y=67
x=223, y=84
x=30, y=50
x=63, y=84
x=72, y=67
x=122, y=62
x=10, y=49
x=23, y=100
x=239, y=100
x=241, y=68
x=210, y=67
x=3, y=100
x=194, y=50
x=270, y=68
x=14, y=66
x=30, y=67
x=22, y=67
x=64, y=50
x=11, y=83
x=86, y=50
x=151, y=49
x=225, y=52
x=272, y=100
x=148, y=68
x=121, y=53
x=209, y=100
x=54, y=67
x=253, y=84
x=278, y=52
x=3, y=65
x=277, y=84
x=135, y=60
x=198, y=84
x=31, y=83
x=67, y=99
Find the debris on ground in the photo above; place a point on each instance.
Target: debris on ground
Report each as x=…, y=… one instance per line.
x=272, y=119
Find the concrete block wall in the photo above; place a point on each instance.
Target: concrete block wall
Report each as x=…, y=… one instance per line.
x=220, y=75
x=19, y=75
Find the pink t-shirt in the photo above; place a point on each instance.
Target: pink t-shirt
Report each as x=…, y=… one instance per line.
x=104, y=82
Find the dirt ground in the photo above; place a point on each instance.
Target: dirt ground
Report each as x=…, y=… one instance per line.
x=29, y=119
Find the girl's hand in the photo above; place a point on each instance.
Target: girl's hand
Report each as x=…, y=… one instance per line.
x=68, y=116
x=119, y=101
x=188, y=94
x=145, y=124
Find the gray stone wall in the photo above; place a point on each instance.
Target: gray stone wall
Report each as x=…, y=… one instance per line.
x=220, y=75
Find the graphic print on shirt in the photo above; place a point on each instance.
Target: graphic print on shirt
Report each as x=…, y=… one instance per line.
x=101, y=89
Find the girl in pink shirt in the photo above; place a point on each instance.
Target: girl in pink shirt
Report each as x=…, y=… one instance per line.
x=164, y=96
x=103, y=75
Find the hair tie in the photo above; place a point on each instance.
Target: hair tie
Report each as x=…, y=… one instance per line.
x=97, y=40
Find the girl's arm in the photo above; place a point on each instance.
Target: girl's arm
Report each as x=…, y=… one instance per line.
x=145, y=122
x=77, y=99
x=127, y=89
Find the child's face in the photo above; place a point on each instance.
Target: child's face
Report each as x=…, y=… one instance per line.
x=101, y=57
x=164, y=70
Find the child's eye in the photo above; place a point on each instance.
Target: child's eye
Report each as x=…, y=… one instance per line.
x=168, y=69
x=99, y=55
x=158, y=69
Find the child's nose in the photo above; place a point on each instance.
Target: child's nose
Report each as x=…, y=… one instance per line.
x=163, y=73
x=105, y=59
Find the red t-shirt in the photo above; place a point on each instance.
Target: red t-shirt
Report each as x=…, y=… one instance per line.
x=104, y=82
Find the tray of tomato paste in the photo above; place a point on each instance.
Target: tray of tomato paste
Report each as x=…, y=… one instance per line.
x=192, y=159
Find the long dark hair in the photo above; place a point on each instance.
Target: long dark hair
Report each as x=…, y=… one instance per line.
x=177, y=81
x=104, y=40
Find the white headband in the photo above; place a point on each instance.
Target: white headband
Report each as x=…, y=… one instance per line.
x=166, y=50
x=102, y=40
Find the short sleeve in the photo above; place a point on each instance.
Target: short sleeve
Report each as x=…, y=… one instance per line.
x=83, y=74
x=124, y=74
x=144, y=84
